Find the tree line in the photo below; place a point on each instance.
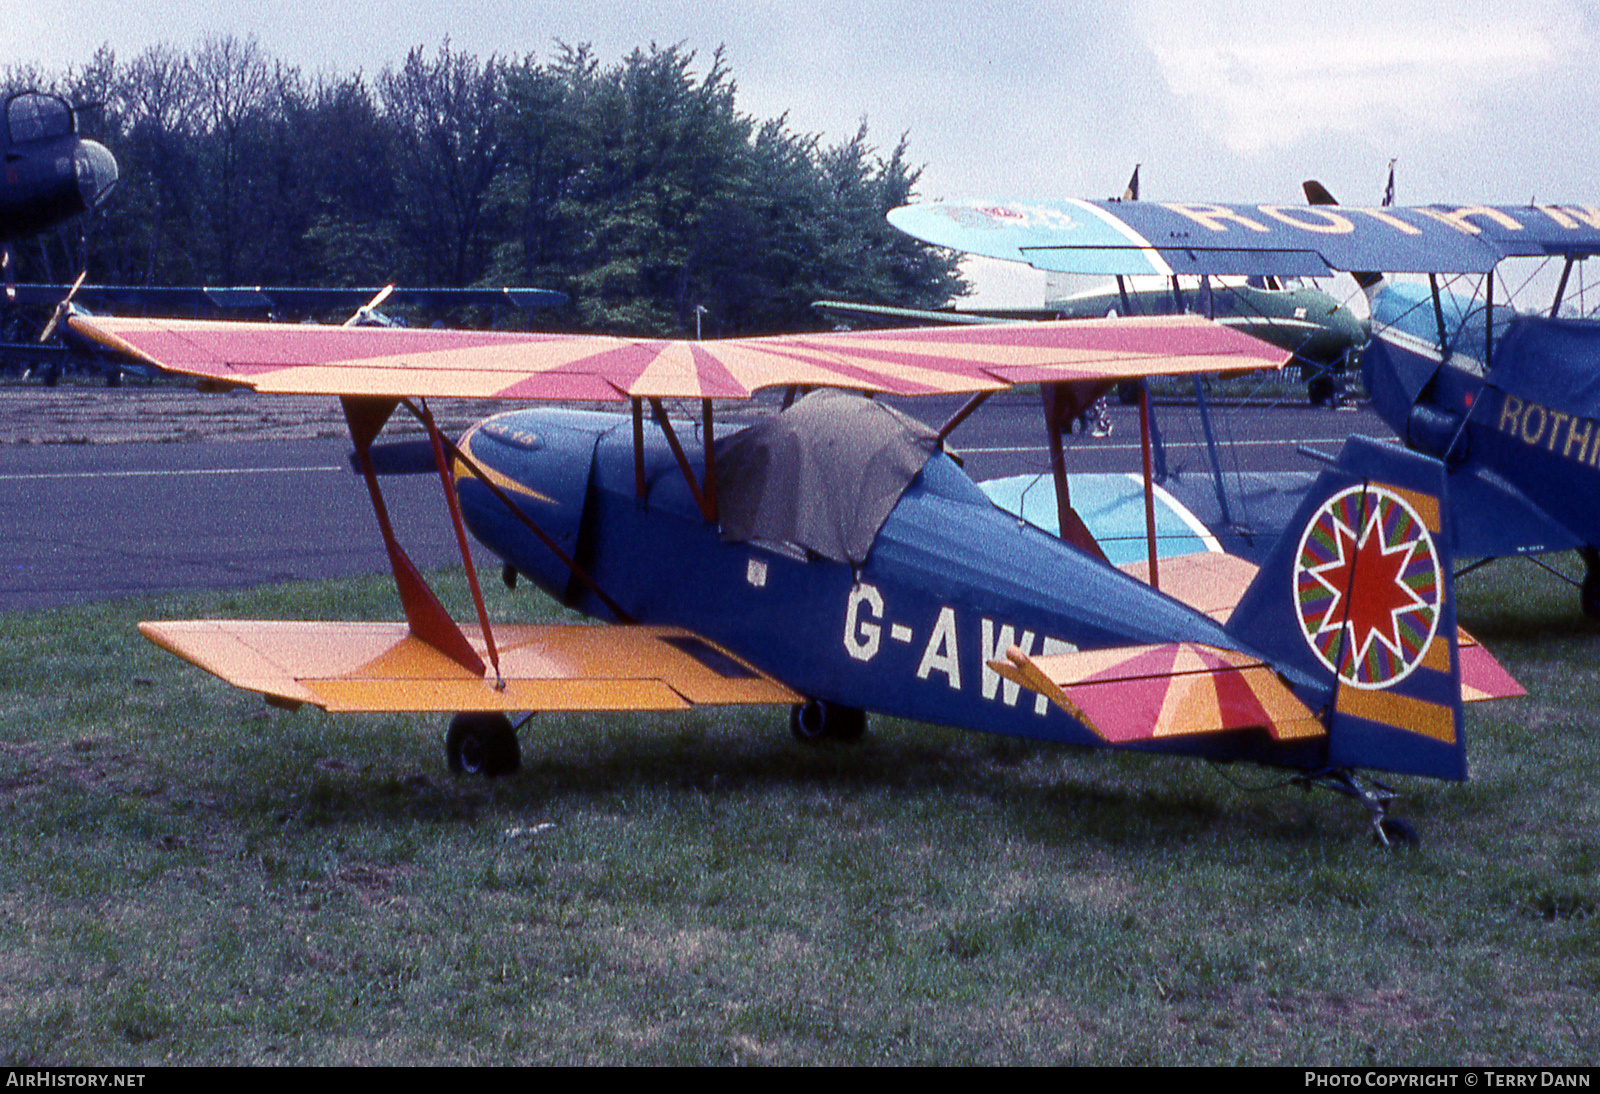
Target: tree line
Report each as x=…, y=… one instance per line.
x=637, y=188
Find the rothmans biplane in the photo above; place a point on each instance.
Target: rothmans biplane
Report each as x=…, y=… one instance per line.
x=833, y=558
x=1508, y=401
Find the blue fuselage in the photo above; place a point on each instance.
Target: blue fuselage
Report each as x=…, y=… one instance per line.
x=1504, y=449
x=950, y=583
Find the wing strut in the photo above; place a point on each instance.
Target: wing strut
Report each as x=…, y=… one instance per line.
x=1561, y=287
x=1062, y=403
x=638, y=448
x=961, y=415
x=426, y=617
x=705, y=499
x=454, y=503
x=1149, y=482
x=539, y=533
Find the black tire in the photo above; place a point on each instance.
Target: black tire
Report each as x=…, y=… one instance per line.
x=1589, y=591
x=482, y=744
x=1397, y=833
x=814, y=721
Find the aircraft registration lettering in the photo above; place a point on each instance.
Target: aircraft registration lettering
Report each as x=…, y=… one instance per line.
x=995, y=645
x=865, y=623
x=861, y=637
x=942, y=653
x=1538, y=426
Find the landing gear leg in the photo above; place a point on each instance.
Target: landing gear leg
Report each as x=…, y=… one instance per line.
x=1589, y=591
x=1387, y=831
x=814, y=721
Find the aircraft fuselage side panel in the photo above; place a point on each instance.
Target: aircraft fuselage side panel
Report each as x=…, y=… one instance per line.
x=950, y=584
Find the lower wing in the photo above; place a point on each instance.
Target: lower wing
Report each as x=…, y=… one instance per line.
x=380, y=667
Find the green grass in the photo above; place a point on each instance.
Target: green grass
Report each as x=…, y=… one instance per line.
x=187, y=876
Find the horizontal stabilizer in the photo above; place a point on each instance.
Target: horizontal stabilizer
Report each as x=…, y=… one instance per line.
x=379, y=667
x=1209, y=582
x=1213, y=583
x=1482, y=677
x=1177, y=689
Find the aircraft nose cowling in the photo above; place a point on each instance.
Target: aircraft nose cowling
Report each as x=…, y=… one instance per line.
x=542, y=461
x=97, y=172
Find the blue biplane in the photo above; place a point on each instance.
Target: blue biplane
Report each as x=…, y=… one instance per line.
x=834, y=559
x=1508, y=401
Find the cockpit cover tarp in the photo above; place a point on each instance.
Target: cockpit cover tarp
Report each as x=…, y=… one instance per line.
x=824, y=474
x=1553, y=362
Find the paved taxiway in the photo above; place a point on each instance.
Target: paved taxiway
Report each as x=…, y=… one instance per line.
x=93, y=521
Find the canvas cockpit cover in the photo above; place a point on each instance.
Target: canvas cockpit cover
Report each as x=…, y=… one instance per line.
x=1554, y=362
x=823, y=474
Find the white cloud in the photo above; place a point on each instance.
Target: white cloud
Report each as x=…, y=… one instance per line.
x=1260, y=78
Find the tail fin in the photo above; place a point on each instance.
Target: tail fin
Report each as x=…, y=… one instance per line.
x=1355, y=607
x=1318, y=194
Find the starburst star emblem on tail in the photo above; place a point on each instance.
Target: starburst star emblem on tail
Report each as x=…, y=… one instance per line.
x=1368, y=586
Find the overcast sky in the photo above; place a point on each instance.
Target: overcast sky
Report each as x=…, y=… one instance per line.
x=1493, y=102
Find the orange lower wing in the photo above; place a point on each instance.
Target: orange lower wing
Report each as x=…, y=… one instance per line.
x=373, y=667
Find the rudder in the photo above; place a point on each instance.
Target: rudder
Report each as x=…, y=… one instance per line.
x=1355, y=607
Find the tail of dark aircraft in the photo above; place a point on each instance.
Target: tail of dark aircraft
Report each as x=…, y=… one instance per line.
x=1355, y=609
x=1318, y=194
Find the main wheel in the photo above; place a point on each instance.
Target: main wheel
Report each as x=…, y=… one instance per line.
x=1589, y=591
x=482, y=744
x=815, y=721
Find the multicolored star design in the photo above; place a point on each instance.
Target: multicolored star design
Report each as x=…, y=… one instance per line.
x=1368, y=586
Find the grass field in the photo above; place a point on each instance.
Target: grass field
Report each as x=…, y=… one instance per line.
x=190, y=877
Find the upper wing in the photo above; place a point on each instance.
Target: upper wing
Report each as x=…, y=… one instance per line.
x=1147, y=237
x=381, y=667
x=392, y=362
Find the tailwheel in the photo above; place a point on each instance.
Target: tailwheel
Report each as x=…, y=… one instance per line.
x=1387, y=831
x=815, y=721
x=1394, y=832
x=482, y=744
x=1589, y=591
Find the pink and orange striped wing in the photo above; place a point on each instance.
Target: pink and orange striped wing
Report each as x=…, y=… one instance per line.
x=400, y=362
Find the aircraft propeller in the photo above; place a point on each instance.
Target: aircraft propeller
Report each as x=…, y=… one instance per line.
x=62, y=308
x=367, y=315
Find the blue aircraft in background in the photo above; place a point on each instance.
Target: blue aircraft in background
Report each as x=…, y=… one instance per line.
x=1508, y=401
